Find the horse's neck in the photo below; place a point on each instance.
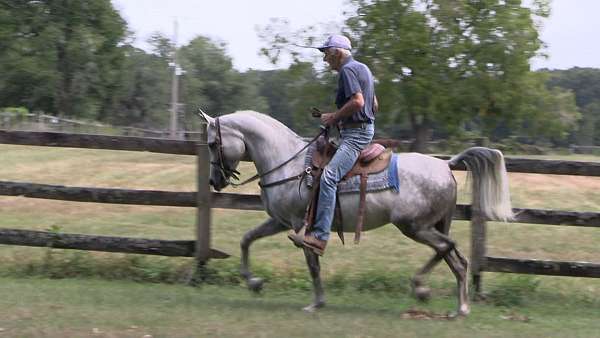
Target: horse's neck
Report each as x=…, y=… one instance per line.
x=270, y=145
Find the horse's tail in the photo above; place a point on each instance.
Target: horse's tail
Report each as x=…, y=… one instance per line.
x=487, y=169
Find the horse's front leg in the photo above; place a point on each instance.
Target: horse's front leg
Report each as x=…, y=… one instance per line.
x=312, y=260
x=268, y=228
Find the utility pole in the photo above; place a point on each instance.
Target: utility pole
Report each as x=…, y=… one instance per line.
x=174, y=87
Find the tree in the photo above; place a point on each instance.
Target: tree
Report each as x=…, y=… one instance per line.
x=449, y=62
x=445, y=64
x=211, y=83
x=291, y=92
x=585, y=84
x=143, y=91
x=61, y=56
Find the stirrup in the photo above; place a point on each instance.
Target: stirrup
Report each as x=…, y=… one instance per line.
x=297, y=237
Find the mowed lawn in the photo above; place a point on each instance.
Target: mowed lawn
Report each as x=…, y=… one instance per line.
x=93, y=308
x=360, y=279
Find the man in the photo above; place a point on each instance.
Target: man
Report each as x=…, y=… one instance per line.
x=357, y=105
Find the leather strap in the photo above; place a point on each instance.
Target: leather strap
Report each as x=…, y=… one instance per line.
x=361, y=208
x=338, y=215
x=309, y=217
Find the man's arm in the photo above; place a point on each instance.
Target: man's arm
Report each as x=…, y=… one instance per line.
x=356, y=103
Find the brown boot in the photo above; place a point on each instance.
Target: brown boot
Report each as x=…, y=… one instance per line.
x=315, y=244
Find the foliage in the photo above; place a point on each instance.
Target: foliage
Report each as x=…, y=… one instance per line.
x=585, y=85
x=60, y=57
x=454, y=63
x=142, y=92
x=58, y=264
x=210, y=82
x=20, y=111
x=452, y=66
x=512, y=291
x=443, y=68
x=291, y=92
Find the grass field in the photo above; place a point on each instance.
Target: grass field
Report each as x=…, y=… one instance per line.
x=47, y=292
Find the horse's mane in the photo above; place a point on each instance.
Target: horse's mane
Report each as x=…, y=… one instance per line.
x=271, y=123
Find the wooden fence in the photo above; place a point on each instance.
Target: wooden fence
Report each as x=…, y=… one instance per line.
x=199, y=248
x=203, y=200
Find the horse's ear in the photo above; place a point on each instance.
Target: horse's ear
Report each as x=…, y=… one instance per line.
x=204, y=117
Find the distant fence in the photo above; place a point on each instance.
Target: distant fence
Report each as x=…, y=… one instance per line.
x=585, y=149
x=203, y=200
x=49, y=123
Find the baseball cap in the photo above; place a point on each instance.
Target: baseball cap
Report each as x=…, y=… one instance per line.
x=338, y=41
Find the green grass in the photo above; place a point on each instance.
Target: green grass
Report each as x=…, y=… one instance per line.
x=69, y=293
x=76, y=308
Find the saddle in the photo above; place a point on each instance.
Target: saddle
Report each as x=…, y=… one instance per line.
x=373, y=159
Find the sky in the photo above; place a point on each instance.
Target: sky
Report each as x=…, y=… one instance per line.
x=571, y=32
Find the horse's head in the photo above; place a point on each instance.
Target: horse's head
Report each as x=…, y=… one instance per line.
x=227, y=149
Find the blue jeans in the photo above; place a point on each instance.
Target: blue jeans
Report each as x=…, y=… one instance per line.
x=353, y=141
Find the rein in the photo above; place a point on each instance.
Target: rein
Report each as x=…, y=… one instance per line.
x=228, y=172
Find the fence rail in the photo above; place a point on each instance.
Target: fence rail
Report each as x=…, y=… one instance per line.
x=479, y=261
x=131, y=143
x=542, y=267
x=177, y=147
x=127, y=196
x=102, y=243
x=246, y=202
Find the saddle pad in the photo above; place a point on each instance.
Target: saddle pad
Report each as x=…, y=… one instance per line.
x=384, y=180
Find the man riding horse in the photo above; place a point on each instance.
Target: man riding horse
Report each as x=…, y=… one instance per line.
x=422, y=208
x=357, y=105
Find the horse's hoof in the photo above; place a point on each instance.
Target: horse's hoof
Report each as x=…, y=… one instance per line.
x=314, y=306
x=464, y=310
x=422, y=293
x=255, y=284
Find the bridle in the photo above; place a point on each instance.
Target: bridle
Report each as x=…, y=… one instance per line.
x=227, y=172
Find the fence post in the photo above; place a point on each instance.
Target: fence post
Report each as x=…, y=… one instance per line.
x=478, y=232
x=203, y=203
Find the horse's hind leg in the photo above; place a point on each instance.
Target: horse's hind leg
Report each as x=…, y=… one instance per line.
x=444, y=248
x=458, y=265
x=268, y=228
x=420, y=290
x=312, y=260
x=417, y=283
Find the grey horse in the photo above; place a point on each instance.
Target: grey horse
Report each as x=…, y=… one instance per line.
x=421, y=210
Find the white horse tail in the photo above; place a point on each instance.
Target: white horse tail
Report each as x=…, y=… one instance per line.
x=487, y=169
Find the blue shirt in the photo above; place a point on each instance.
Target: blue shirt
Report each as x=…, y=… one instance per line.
x=355, y=77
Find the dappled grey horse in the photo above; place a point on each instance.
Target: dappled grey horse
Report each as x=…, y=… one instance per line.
x=422, y=209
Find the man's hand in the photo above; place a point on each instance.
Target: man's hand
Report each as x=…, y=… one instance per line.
x=328, y=119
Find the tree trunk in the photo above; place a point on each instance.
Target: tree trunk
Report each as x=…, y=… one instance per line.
x=422, y=134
